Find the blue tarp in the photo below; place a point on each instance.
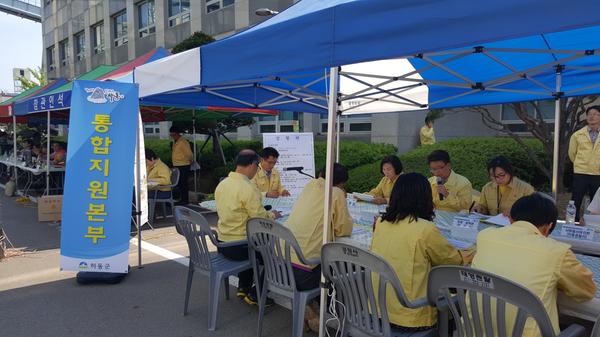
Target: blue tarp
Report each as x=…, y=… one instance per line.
x=313, y=35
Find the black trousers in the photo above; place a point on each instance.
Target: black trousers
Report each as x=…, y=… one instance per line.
x=239, y=253
x=306, y=280
x=583, y=184
x=182, y=185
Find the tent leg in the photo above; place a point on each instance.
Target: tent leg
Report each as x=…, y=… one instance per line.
x=15, y=152
x=195, y=155
x=556, y=149
x=331, y=116
x=138, y=197
x=337, y=139
x=48, y=155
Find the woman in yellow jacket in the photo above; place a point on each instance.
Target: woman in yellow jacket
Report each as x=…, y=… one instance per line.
x=391, y=168
x=159, y=176
x=503, y=190
x=407, y=238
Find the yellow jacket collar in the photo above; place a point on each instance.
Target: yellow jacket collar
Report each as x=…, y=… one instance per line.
x=527, y=226
x=236, y=175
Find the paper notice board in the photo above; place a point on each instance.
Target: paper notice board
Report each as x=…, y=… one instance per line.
x=295, y=149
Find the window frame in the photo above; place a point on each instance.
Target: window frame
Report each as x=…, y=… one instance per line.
x=220, y=3
x=98, y=46
x=122, y=39
x=63, y=52
x=180, y=17
x=151, y=28
x=50, y=57
x=79, y=48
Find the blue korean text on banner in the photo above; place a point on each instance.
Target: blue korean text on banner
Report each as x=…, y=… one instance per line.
x=99, y=183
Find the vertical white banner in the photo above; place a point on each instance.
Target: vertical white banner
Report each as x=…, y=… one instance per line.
x=140, y=157
x=295, y=150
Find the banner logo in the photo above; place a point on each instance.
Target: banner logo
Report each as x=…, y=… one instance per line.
x=101, y=96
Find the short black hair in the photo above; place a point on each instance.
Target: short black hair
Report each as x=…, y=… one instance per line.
x=269, y=152
x=174, y=129
x=593, y=107
x=500, y=162
x=439, y=155
x=394, y=161
x=246, y=158
x=340, y=173
x=411, y=197
x=428, y=120
x=150, y=155
x=536, y=209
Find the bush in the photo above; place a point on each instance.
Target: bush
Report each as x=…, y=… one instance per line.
x=353, y=153
x=469, y=158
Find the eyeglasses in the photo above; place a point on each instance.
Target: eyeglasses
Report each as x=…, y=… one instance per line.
x=498, y=176
x=437, y=169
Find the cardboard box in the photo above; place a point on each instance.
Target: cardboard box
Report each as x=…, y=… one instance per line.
x=50, y=208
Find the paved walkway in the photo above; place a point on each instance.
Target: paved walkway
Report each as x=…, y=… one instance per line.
x=36, y=299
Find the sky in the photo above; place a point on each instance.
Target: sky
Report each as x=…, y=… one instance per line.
x=21, y=43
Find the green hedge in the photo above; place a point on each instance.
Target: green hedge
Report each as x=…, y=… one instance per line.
x=353, y=153
x=469, y=158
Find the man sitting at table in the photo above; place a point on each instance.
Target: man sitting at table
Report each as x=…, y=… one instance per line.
x=59, y=154
x=525, y=254
x=391, y=168
x=267, y=178
x=407, y=238
x=159, y=176
x=306, y=222
x=451, y=191
x=237, y=201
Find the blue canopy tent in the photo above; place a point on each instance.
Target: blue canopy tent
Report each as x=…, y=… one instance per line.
x=465, y=52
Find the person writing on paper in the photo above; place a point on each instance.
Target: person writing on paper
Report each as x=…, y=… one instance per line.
x=406, y=237
x=391, y=168
x=451, y=191
x=159, y=176
x=306, y=222
x=427, y=135
x=585, y=155
x=524, y=253
x=498, y=196
x=267, y=179
x=237, y=201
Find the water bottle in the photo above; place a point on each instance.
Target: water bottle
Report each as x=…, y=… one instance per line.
x=570, y=213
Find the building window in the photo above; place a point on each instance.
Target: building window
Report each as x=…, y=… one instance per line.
x=360, y=127
x=120, y=28
x=545, y=107
x=79, y=46
x=63, y=50
x=267, y=128
x=50, y=58
x=324, y=127
x=286, y=128
x=215, y=5
x=179, y=12
x=146, y=18
x=98, y=38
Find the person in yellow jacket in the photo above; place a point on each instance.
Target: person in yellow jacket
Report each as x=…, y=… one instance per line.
x=451, y=191
x=182, y=157
x=524, y=253
x=427, y=134
x=159, y=176
x=503, y=190
x=584, y=152
x=267, y=179
x=391, y=168
x=411, y=243
x=237, y=201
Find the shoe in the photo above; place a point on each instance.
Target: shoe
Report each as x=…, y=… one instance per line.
x=252, y=299
x=242, y=292
x=311, y=318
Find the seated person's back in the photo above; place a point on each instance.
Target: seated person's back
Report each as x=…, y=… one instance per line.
x=523, y=253
x=306, y=218
x=407, y=238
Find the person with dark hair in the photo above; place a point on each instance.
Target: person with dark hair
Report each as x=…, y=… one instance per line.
x=267, y=179
x=159, y=176
x=406, y=237
x=585, y=156
x=306, y=222
x=523, y=253
x=391, y=168
x=427, y=135
x=237, y=201
x=503, y=190
x=451, y=191
x=182, y=158
x=59, y=154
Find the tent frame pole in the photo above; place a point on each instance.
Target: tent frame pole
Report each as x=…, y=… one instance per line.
x=556, y=149
x=138, y=197
x=337, y=136
x=48, y=154
x=333, y=106
x=15, y=152
x=195, y=155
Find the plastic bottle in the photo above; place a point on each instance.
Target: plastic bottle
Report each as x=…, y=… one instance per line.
x=570, y=213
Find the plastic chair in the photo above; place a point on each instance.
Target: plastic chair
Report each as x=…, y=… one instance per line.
x=274, y=242
x=164, y=201
x=212, y=264
x=478, y=294
x=596, y=330
x=350, y=269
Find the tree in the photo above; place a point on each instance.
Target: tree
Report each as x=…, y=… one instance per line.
x=39, y=78
x=213, y=128
x=571, y=119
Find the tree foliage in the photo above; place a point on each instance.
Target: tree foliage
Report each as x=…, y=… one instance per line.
x=195, y=40
x=39, y=78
